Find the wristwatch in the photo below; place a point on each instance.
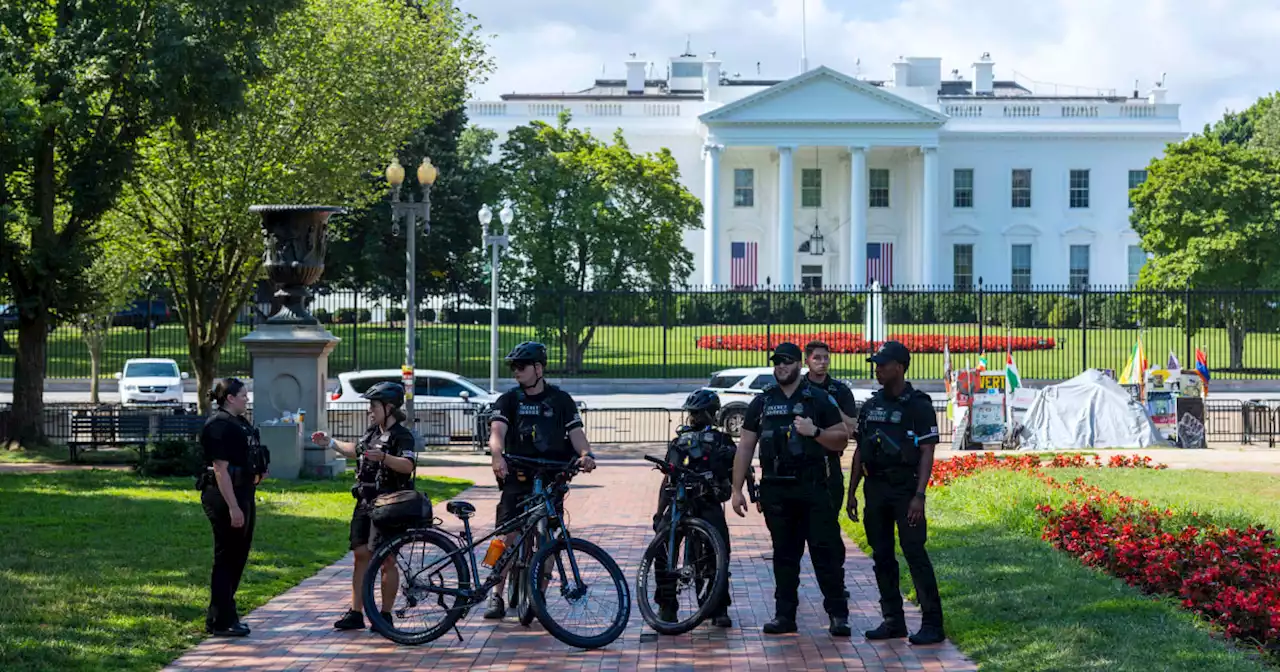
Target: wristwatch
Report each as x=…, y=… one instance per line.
x=816, y=432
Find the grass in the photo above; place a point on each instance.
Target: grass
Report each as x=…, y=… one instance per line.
x=1012, y=602
x=106, y=570
x=654, y=352
x=59, y=454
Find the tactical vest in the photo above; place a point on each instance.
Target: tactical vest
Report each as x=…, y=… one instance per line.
x=702, y=451
x=259, y=455
x=887, y=441
x=784, y=453
x=538, y=430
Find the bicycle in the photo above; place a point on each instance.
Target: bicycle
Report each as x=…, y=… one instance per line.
x=704, y=552
x=557, y=556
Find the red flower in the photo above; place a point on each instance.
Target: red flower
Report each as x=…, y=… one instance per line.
x=848, y=342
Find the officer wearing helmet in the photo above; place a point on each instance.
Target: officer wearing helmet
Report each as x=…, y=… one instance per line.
x=385, y=462
x=533, y=419
x=701, y=447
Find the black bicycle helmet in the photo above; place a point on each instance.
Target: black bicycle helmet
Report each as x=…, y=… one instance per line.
x=702, y=400
x=530, y=352
x=387, y=393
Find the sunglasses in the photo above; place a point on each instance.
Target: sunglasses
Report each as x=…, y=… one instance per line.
x=783, y=361
x=520, y=366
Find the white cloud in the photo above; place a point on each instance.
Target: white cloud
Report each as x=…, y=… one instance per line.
x=1213, y=51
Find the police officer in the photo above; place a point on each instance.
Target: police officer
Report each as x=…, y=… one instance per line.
x=699, y=446
x=896, y=434
x=385, y=462
x=817, y=356
x=796, y=428
x=533, y=419
x=235, y=463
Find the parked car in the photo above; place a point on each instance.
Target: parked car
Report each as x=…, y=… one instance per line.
x=151, y=381
x=447, y=403
x=737, y=387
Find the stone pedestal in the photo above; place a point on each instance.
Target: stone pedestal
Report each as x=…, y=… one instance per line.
x=290, y=367
x=284, y=440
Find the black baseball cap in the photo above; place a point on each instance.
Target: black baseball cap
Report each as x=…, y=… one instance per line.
x=789, y=350
x=891, y=351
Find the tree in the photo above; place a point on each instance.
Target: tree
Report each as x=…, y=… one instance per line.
x=80, y=85
x=1238, y=128
x=1266, y=133
x=115, y=273
x=1210, y=213
x=364, y=254
x=349, y=81
x=591, y=217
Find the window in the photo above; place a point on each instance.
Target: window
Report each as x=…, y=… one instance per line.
x=1021, y=188
x=962, y=265
x=151, y=370
x=1079, y=266
x=811, y=277
x=686, y=69
x=1136, y=178
x=359, y=385
x=1137, y=259
x=811, y=188
x=744, y=187
x=724, y=382
x=879, y=180
x=1021, y=279
x=1079, y=188
x=762, y=381
x=443, y=387
x=962, y=185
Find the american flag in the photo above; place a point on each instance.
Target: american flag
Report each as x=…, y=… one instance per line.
x=742, y=264
x=880, y=263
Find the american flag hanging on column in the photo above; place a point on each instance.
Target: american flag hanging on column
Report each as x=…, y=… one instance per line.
x=742, y=264
x=880, y=263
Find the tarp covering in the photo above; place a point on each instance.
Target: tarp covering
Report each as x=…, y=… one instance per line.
x=1088, y=411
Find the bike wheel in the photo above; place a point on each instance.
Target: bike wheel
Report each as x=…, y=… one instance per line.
x=709, y=576
x=417, y=586
x=558, y=561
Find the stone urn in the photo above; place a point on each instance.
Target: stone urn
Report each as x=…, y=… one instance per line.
x=296, y=240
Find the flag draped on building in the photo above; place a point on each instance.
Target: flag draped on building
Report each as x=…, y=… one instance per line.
x=742, y=264
x=1202, y=368
x=880, y=263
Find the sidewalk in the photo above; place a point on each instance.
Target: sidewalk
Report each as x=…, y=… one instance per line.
x=612, y=507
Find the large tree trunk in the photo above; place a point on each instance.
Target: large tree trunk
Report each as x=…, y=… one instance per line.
x=575, y=348
x=1235, y=342
x=205, y=361
x=28, y=378
x=95, y=367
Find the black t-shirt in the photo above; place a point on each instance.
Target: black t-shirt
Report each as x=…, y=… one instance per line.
x=226, y=437
x=397, y=442
x=840, y=394
x=918, y=416
x=538, y=425
x=772, y=409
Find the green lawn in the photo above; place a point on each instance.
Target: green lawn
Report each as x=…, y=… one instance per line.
x=1012, y=602
x=654, y=352
x=105, y=570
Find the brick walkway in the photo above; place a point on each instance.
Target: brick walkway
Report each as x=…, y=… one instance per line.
x=611, y=507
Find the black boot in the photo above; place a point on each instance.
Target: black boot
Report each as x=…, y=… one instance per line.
x=780, y=625
x=928, y=634
x=889, y=629
x=237, y=630
x=722, y=621
x=353, y=620
x=497, y=608
x=839, y=626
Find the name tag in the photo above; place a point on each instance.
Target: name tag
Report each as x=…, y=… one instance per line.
x=535, y=409
x=879, y=414
x=778, y=409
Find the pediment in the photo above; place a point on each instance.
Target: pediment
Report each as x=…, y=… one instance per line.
x=963, y=230
x=824, y=96
x=1079, y=231
x=1028, y=230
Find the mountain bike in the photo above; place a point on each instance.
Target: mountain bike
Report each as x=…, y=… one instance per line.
x=554, y=567
x=688, y=555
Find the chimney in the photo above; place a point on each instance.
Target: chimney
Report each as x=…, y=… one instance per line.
x=711, y=77
x=635, y=76
x=901, y=73
x=983, y=76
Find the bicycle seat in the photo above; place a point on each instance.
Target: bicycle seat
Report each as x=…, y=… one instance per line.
x=461, y=509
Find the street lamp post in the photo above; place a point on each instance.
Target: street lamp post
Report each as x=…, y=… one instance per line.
x=410, y=211
x=496, y=242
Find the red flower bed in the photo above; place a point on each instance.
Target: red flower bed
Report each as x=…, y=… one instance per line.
x=1230, y=577
x=846, y=342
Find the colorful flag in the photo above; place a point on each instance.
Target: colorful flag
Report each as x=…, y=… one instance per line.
x=982, y=364
x=1173, y=364
x=1202, y=368
x=742, y=264
x=1136, y=367
x=946, y=365
x=1012, y=380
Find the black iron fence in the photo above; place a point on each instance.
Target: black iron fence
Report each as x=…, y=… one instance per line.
x=1053, y=333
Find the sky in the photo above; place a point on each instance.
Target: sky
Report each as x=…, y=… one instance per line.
x=1212, y=53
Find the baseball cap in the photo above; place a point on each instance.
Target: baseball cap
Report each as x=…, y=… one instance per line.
x=891, y=351
x=789, y=350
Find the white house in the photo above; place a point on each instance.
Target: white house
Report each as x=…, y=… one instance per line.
x=827, y=179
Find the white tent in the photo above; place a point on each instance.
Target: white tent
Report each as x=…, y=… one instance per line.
x=1088, y=411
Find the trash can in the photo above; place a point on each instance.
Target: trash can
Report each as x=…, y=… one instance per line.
x=284, y=440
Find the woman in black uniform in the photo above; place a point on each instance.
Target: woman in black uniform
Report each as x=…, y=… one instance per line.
x=385, y=462
x=232, y=456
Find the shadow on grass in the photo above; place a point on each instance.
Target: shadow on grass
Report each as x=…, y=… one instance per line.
x=105, y=570
x=1012, y=602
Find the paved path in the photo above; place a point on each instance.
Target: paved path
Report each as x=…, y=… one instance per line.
x=612, y=507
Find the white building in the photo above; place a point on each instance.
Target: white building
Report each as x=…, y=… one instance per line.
x=916, y=181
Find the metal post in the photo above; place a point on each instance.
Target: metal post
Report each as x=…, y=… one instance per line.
x=410, y=319
x=493, y=319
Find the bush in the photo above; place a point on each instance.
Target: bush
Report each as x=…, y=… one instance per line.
x=172, y=458
x=324, y=316
x=395, y=314
x=364, y=316
x=346, y=316
x=1065, y=313
x=957, y=309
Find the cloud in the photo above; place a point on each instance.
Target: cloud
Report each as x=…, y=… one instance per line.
x=1213, y=51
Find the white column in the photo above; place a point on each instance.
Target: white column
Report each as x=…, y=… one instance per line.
x=929, y=219
x=711, y=215
x=786, y=217
x=858, y=201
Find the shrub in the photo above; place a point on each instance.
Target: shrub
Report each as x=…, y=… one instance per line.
x=172, y=458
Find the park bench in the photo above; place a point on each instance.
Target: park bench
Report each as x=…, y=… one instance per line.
x=114, y=426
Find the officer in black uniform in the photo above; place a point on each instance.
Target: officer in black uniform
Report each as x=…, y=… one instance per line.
x=796, y=428
x=817, y=356
x=235, y=463
x=699, y=446
x=896, y=434
x=533, y=419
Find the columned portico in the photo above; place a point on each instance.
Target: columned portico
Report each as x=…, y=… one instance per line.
x=858, y=194
x=786, y=217
x=929, y=218
x=711, y=214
